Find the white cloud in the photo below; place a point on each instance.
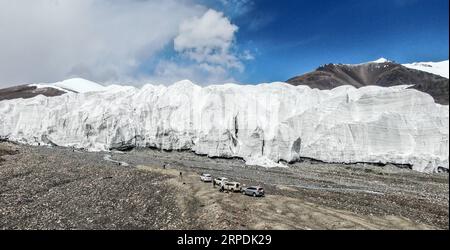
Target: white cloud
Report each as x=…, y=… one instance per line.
x=113, y=40
x=238, y=7
x=49, y=40
x=206, y=52
x=208, y=39
x=247, y=55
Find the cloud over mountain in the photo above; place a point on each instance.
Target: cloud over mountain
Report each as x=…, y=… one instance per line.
x=51, y=40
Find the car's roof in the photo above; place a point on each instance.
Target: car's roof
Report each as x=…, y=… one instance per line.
x=206, y=175
x=255, y=187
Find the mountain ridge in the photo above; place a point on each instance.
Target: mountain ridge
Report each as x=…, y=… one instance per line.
x=382, y=73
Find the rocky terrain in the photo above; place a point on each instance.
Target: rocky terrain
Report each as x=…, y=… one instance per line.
x=64, y=188
x=26, y=91
x=383, y=73
x=74, y=85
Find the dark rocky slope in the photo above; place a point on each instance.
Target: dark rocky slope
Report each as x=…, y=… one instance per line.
x=385, y=74
x=26, y=91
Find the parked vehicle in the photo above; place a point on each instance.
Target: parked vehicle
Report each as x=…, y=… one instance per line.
x=232, y=186
x=220, y=180
x=206, y=178
x=254, y=191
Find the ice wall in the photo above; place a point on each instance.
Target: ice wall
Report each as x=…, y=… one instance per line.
x=267, y=122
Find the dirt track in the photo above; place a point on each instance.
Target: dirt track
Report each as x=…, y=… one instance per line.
x=61, y=188
x=214, y=210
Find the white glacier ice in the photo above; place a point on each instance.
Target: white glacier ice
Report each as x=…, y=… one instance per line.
x=437, y=68
x=263, y=124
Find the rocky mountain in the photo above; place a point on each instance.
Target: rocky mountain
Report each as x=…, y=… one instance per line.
x=382, y=73
x=75, y=85
x=27, y=91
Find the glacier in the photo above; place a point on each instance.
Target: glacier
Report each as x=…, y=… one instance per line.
x=437, y=68
x=265, y=124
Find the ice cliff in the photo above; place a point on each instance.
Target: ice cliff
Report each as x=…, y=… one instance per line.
x=262, y=124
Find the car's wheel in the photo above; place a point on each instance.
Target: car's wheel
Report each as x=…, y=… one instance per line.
x=254, y=194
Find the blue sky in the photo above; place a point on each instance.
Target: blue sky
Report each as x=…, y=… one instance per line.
x=210, y=41
x=293, y=37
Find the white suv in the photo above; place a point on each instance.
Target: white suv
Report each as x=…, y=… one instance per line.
x=232, y=186
x=206, y=178
x=219, y=181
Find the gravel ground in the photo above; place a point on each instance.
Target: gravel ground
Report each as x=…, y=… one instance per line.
x=43, y=188
x=359, y=188
x=62, y=188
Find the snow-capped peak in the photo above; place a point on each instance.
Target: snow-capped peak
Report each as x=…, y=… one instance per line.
x=437, y=68
x=378, y=61
x=381, y=60
x=78, y=85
